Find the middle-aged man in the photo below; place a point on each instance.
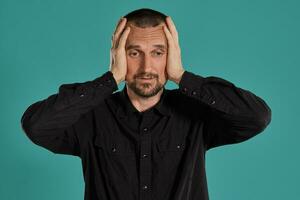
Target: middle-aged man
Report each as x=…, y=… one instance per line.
x=145, y=142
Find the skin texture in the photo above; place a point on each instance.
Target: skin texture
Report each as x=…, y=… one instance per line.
x=146, y=62
x=145, y=68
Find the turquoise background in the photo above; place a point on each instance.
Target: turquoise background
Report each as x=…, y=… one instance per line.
x=254, y=44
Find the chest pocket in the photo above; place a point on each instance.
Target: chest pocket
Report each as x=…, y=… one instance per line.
x=116, y=147
x=170, y=154
x=165, y=146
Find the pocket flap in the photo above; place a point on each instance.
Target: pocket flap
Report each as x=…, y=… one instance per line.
x=163, y=146
x=116, y=147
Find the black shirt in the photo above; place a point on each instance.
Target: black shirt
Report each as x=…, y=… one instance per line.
x=135, y=117
x=158, y=154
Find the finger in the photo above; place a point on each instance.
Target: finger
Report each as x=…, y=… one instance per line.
x=172, y=28
x=118, y=32
x=123, y=38
x=117, y=25
x=169, y=37
x=112, y=36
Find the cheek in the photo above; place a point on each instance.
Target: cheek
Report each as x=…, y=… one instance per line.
x=163, y=63
x=161, y=68
x=160, y=62
x=132, y=62
x=131, y=68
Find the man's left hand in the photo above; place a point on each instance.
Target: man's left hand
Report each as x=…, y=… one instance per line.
x=174, y=66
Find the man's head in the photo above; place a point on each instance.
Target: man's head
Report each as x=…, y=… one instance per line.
x=146, y=52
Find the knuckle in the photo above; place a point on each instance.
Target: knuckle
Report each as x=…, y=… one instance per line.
x=118, y=50
x=113, y=51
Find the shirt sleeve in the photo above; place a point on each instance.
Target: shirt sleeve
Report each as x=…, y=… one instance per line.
x=50, y=122
x=232, y=114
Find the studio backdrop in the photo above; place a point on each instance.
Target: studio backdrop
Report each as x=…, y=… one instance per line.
x=254, y=44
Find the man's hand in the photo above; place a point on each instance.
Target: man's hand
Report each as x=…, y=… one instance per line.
x=174, y=66
x=118, y=61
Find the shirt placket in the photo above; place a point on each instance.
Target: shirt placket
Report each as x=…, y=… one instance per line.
x=145, y=158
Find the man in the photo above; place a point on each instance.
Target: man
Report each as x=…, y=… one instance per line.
x=145, y=142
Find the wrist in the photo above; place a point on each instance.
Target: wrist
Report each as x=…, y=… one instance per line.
x=178, y=78
x=117, y=78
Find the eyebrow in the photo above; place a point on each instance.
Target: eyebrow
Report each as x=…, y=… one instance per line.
x=138, y=46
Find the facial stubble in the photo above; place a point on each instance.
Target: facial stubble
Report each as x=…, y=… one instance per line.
x=144, y=89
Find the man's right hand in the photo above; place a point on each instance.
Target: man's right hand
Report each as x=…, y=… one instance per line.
x=118, y=61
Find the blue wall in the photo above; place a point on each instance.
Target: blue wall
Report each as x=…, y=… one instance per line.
x=254, y=44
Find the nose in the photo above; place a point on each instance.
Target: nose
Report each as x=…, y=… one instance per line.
x=147, y=63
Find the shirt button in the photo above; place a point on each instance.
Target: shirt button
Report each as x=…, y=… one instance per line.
x=213, y=102
x=81, y=95
x=178, y=146
x=98, y=84
x=145, y=156
x=145, y=187
x=113, y=149
x=145, y=129
x=194, y=93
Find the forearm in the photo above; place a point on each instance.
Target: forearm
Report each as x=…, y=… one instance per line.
x=61, y=110
x=232, y=114
x=224, y=96
x=118, y=79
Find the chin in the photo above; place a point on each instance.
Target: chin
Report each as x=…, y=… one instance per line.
x=145, y=90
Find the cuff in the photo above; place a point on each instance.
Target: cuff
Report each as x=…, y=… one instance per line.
x=190, y=83
x=107, y=79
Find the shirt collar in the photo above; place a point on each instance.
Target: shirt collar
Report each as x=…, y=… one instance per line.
x=127, y=108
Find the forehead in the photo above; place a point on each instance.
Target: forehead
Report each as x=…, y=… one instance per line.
x=145, y=37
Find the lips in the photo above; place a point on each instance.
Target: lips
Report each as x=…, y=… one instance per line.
x=145, y=78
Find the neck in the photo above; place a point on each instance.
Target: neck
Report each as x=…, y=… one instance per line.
x=143, y=103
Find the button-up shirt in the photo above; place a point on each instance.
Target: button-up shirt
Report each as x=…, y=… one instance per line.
x=157, y=154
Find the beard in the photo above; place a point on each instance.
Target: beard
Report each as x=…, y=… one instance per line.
x=145, y=89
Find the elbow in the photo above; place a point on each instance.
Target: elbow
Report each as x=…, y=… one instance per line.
x=26, y=127
x=29, y=131
x=263, y=119
x=27, y=120
x=261, y=115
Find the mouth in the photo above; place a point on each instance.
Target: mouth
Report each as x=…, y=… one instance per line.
x=145, y=78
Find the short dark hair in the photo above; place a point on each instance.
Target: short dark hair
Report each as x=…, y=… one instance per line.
x=145, y=17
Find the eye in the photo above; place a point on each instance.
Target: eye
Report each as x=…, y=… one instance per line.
x=157, y=53
x=133, y=53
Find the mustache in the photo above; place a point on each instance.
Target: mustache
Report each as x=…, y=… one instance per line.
x=146, y=75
